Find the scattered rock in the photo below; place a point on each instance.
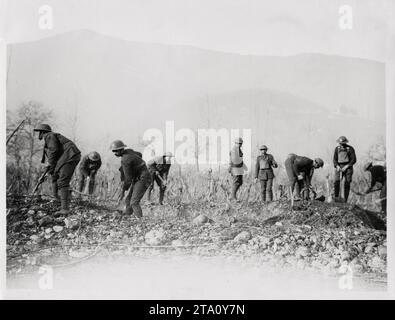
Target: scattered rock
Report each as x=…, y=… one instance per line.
x=30, y=221
x=177, y=243
x=242, y=237
x=45, y=221
x=155, y=237
x=48, y=230
x=382, y=251
x=200, y=220
x=31, y=212
x=302, y=252
x=57, y=228
x=34, y=238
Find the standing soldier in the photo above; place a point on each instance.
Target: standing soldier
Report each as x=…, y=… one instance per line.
x=88, y=168
x=236, y=167
x=136, y=177
x=264, y=172
x=343, y=160
x=159, y=168
x=63, y=157
x=300, y=171
x=378, y=174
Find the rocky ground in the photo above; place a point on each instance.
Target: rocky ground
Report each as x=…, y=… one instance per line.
x=316, y=236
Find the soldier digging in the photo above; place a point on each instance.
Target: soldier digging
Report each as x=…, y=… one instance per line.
x=300, y=171
x=136, y=177
x=88, y=168
x=159, y=168
x=63, y=157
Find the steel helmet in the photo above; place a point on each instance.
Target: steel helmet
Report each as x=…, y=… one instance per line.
x=168, y=154
x=263, y=147
x=43, y=127
x=94, y=156
x=239, y=140
x=367, y=166
x=117, y=145
x=319, y=162
x=342, y=139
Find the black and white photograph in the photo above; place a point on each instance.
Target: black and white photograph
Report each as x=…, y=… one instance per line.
x=197, y=150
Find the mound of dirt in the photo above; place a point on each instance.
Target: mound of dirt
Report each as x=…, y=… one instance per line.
x=321, y=214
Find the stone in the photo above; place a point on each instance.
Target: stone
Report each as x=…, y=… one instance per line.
x=382, y=251
x=34, y=238
x=155, y=237
x=177, y=243
x=57, y=228
x=48, y=230
x=200, y=220
x=242, y=237
x=31, y=212
x=302, y=252
x=44, y=221
x=30, y=221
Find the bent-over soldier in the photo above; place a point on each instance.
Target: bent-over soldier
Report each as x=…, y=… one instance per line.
x=88, y=168
x=136, y=178
x=63, y=157
x=159, y=168
x=378, y=175
x=300, y=171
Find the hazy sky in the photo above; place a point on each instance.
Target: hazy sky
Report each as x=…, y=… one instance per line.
x=275, y=27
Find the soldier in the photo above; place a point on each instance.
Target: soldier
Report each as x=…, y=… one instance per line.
x=88, y=168
x=159, y=168
x=378, y=174
x=300, y=171
x=343, y=160
x=264, y=172
x=236, y=167
x=136, y=177
x=63, y=157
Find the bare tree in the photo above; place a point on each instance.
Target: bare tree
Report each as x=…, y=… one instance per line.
x=23, y=150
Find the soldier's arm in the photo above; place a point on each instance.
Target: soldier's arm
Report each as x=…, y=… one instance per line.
x=151, y=164
x=295, y=167
x=84, y=165
x=257, y=167
x=52, y=144
x=128, y=178
x=273, y=162
x=335, y=160
x=99, y=163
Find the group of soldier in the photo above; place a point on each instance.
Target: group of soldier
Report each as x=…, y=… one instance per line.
x=137, y=176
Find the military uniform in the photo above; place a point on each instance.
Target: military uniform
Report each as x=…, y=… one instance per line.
x=379, y=175
x=159, y=169
x=264, y=172
x=88, y=168
x=63, y=157
x=236, y=169
x=136, y=180
x=298, y=165
x=344, y=155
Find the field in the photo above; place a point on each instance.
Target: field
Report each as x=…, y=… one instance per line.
x=198, y=221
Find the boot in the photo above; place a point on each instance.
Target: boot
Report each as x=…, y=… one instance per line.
x=161, y=196
x=270, y=196
x=128, y=209
x=64, y=202
x=55, y=192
